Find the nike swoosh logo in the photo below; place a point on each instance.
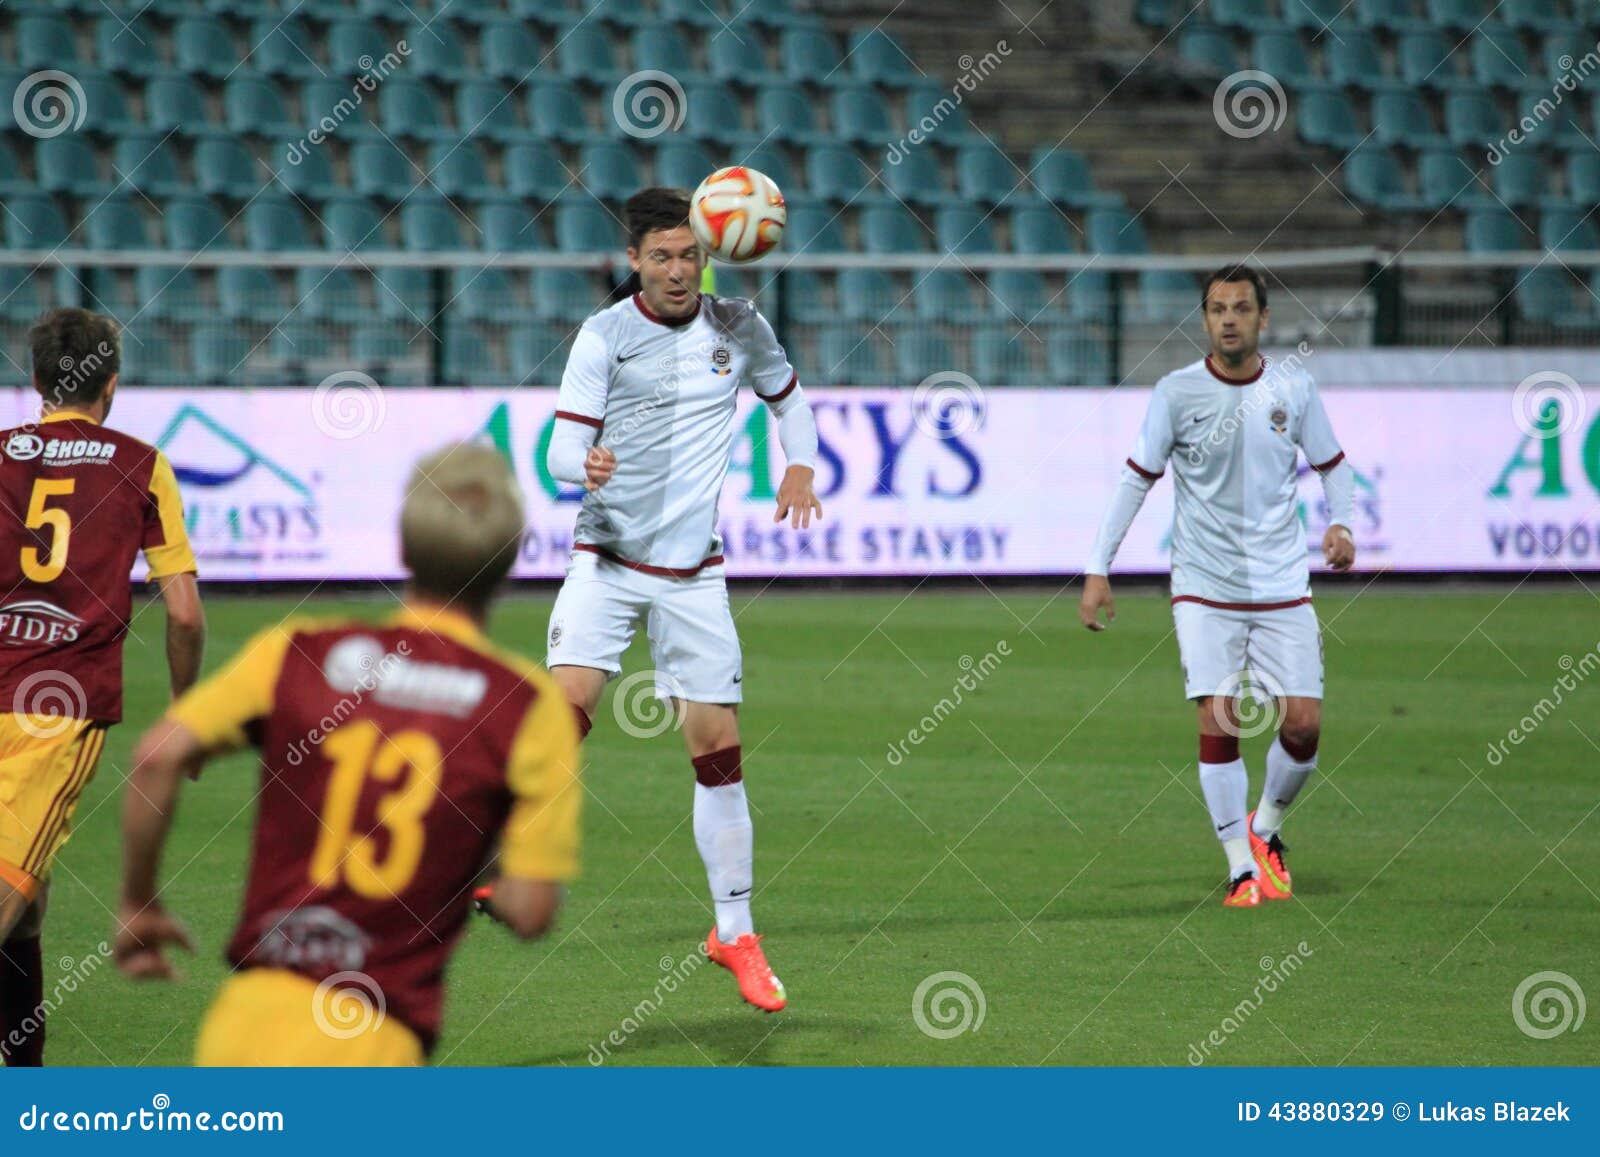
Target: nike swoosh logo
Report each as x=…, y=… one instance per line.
x=629, y=358
x=739, y=678
x=732, y=895
x=1198, y=418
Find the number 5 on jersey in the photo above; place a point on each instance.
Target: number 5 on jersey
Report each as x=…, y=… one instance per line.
x=60, y=524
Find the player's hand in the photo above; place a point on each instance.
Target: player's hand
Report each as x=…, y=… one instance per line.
x=1339, y=547
x=1096, y=595
x=599, y=464
x=796, y=500
x=141, y=934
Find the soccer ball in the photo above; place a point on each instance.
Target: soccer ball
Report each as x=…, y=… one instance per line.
x=737, y=214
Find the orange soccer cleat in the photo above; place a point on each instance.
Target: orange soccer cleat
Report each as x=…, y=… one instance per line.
x=1274, y=873
x=748, y=964
x=1244, y=892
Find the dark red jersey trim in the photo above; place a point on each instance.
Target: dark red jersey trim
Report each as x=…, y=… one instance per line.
x=674, y=322
x=646, y=568
x=1221, y=377
x=1141, y=470
x=1240, y=606
x=1330, y=463
x=794, y=380
x=582, y=418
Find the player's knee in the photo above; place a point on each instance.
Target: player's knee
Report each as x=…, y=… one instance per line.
x=1299, y=737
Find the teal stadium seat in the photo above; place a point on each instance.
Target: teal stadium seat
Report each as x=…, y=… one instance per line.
x=942, y=295
x=877, y=57
x=283, y=48
x=1499, y=59
x=355, y=47
x=986, y=175
x=1243, y=15
x=584, y=228
x=1316, y=16
x=116, y=223
x=1429, y=59
x=684, y=164
x=66, y=164
x=835, y=173
x=916, y=179
x=486, y=109
x=865, y=295
x=660, y=47
x=556, y=112
x=1534, y=16
x=1159, y=13
x=330, y=295
x=618, y=13
x=328, y=102
x=509, y=50
x=1353, y=60
x=1018, y=295
x=1393, y=16
x=1519, y=180
x=177, y=104
x=1284, y=57
x=193, y=222
x=585, y=54
x=851, y=357
x=351, y=224
x=12, y=180
x=809, y=55
x=509, y=228
x=404, y=295
x=1446, y=181
x=1557, y=124
x=788, y=114
x=274, y=223
x=1329, y=119
x=813, y=230
x=252, y=106
x=1040, y=229
x=1373, y=176
x=487, y=294
x=1550, y=294
x=436, y=52
x=947, y=126
x=122, y=46
x=225, y=168
x=1460, y=16
x=861, y=116
x=1583, y=179
x=220, y=355
x=1076, y=358
x=608, y=170
x=202, y=47
x=469, y=352
x=532, y=170
x=383, y=170
x=1207, y=50
x=920, y=353
x=702, y=13
x=549, y=13
x=45, y=42
x=1569, y=229
x=105, y=104
x=538, y=353
x=772, y=160
x=457, y=170
x=713, y=113
x=409, y=109
x=1009, y=356
x=1115, y=231
x=890, y=229
x=149, y=163
x=1063, y=175
x=738, y=54
x=1166, y=297
x=1472, y=120
x=1401, y=117
x=251, y=295
x=964, y=229
x=563, y=295
x=1494, y=231
x=429, y=225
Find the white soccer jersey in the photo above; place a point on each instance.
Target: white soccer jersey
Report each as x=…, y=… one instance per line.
x=662, y=394
x=1233, y=447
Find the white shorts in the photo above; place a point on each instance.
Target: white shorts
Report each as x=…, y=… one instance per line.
x=1233, y=652
x=694, y=647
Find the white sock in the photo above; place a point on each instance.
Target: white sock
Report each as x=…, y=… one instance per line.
x=1285, y=777
x=1226, y=787
x=726, y=839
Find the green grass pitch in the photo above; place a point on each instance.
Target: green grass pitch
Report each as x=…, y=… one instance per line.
x=1045, y=839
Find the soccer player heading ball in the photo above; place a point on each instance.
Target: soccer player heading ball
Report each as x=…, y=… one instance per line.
x=646, y=424
x=395, y=758
x=1232, y=427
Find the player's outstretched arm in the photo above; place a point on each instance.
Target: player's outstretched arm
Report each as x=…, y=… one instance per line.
x=527, y=907
x=186, y=629
x=164, y=755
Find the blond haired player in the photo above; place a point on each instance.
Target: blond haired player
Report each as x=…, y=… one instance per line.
x=370, y=829
x=1233, y=428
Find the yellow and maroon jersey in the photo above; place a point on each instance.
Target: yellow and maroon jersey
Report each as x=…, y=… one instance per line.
x=394, y=758
x=78, y=502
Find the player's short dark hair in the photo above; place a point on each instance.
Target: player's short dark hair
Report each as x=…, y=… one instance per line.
x=1239, y=272
x=75, y=354
x=652, y=209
